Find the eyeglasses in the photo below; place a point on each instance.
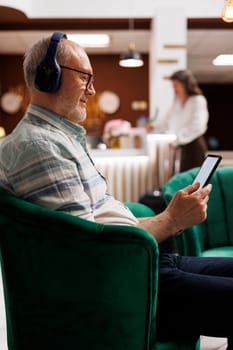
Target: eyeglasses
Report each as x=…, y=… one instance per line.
x=90, y=79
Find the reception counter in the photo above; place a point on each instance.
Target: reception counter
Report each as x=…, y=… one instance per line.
x=132, y=172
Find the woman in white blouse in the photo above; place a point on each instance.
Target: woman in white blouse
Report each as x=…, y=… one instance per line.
x=188, y=119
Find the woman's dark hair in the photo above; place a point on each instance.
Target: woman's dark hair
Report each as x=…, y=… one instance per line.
x=188, y=80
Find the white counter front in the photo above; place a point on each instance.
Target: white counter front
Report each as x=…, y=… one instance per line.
x=132, y=172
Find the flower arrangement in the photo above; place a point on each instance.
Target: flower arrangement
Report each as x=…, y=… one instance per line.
x=114, y=129
x=117, y=127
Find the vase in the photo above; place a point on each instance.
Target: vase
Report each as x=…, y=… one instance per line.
x=114, y=142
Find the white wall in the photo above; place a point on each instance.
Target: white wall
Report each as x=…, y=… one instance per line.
x=119, y=8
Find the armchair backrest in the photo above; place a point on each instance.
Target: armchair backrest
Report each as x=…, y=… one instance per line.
x=217, y=229
x=73, y=284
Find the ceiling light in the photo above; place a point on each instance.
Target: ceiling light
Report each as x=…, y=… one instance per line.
x=223, y=60
x=90, y=40
x=132, y=58
x=227, y=12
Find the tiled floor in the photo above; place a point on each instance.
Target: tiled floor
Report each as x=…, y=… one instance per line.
x=209, y=343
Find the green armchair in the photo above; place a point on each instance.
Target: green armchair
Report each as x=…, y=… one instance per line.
x=74, y=284
x=213, y=237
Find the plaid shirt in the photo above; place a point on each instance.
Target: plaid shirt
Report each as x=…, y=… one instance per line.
x=45, y=161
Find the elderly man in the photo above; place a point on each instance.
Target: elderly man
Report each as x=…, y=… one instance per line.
x=45, y=161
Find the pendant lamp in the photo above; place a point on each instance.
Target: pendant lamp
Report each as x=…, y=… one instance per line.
x=132, y=58
x=227, y=12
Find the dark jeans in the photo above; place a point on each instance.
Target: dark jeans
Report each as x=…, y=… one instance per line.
x=195, y=297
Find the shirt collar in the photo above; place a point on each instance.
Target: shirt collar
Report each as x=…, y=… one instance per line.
x=74, y=130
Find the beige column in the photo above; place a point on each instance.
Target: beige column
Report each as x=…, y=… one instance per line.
x=167, y=54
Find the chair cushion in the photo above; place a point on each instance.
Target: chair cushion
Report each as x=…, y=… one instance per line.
x=226, y=252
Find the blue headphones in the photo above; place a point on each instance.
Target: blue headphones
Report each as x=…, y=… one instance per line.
x=48, y=72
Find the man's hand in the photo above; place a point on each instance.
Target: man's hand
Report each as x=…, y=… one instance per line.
x=189, y=207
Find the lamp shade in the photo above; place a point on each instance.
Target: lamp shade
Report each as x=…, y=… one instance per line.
x=227, y=12
x=131, y=59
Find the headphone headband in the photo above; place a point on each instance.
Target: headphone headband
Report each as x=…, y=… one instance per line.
x=48, y=73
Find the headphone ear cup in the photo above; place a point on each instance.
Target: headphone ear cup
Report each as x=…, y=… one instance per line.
x=48, y=77
x=48, y=72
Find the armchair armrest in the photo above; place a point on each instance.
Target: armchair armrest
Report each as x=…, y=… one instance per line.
x=140, y=210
